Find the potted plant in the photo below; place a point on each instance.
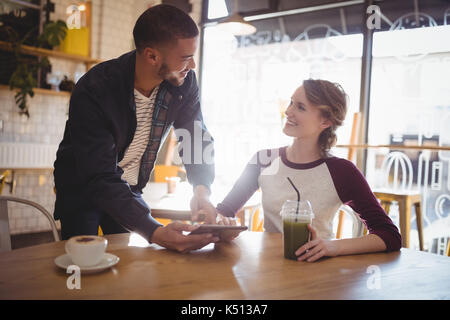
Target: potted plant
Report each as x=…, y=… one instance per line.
x=24, y=77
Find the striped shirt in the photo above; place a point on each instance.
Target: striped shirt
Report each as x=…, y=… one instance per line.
x=131, y=161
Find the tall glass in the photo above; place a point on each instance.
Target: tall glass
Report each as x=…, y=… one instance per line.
x=296, y=216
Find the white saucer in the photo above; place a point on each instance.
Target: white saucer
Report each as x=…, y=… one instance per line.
x=108, y=260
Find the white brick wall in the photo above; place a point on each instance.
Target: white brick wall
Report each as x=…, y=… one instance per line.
x=112, y=25
x=46, y=123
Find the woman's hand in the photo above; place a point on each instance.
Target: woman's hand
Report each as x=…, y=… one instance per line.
x=228, y=235
x=316, y=248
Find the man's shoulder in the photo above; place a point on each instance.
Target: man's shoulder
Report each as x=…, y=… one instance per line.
x=107, y=74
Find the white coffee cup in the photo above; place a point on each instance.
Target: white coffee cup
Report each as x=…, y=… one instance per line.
x=86, y=250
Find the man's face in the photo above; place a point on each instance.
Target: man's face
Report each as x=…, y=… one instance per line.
x=178, y=60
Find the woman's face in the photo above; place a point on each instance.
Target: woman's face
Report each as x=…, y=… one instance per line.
x=303, y=120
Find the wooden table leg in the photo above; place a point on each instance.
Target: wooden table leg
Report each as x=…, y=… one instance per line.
x=419, y=224
x=404, y=206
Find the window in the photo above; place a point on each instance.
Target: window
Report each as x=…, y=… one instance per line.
x=247, y=81
x=410, y=105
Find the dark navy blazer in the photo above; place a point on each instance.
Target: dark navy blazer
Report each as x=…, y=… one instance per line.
x=100, y=127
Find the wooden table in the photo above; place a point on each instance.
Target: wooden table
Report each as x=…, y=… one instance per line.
x=251, y=267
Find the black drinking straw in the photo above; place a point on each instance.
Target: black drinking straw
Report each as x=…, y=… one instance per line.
x=298, y=197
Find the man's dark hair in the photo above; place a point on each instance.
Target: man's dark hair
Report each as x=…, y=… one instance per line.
x=162, y=24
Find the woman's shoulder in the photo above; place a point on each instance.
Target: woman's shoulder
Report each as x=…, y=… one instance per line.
x=347, y=178
x=337, y=163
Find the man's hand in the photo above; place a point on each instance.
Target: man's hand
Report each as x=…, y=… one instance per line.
x=201, y=208
x=172, y=237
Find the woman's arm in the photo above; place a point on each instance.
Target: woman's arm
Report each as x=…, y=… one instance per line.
x=318, y=248
x=368, y=243
x=353, y=190
x=245, y=186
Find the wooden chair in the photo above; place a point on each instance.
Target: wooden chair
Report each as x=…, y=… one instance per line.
x=5, y=237
x=256, y=223
x=405, y=200
x=399, y=188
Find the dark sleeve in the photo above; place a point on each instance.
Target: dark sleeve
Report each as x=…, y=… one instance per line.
x=353, y=190
x=196, y=146
x=242, y=190
x=96, y=164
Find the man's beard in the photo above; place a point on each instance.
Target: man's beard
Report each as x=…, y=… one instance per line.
x=170, y=76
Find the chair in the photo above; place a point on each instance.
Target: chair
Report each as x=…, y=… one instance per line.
x=165, y=171
x=399, y=189
x=11, y=183
x=255, y=222
x=406, y=200
x=5, y=237
x=358, y=227
x=3, y=176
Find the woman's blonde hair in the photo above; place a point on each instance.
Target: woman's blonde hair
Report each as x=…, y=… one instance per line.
x=331, y=100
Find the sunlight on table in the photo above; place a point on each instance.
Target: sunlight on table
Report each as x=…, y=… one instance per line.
x=137, y=241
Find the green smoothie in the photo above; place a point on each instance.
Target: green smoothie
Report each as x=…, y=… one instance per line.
x=295, y=234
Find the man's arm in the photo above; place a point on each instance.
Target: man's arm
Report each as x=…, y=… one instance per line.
x=96, y=162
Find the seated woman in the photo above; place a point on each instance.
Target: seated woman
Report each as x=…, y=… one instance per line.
x=316, y=110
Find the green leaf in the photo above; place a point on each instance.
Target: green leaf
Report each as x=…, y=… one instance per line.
x=22, y=78
x=53, y=33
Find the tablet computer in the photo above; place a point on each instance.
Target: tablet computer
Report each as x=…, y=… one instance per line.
x=217, y=228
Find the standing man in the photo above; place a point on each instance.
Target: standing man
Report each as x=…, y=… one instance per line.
x=120, y=113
